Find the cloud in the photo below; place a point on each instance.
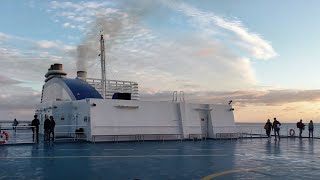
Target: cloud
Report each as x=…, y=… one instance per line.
x=153, y=58
x=76, y=15
x=255, y=105
x=79, y=6
x=4, y=37
x=44, y=44
x=160, y=60
x=272, y=97
x=20, y=105
x=208, y=22
x=29, y=64
x=53, y=45
x=4, y=81
x=22, y=73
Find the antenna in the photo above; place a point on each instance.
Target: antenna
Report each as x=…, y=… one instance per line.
x=103, y=64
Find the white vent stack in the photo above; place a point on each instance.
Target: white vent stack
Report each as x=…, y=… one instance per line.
x=55, y=70
x=82, y=57
x=82, y=75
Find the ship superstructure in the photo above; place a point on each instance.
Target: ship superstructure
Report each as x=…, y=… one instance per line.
x=105, y=110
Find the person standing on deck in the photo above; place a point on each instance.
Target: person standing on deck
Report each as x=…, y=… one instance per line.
x=310, y=127
x=301, y=126
x=15, y=124
x=268, y=127
x=35, y=129
x=52, y=125
x=276, y=127
x=46, y=127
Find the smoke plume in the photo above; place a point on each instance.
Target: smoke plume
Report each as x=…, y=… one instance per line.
x=116, y=25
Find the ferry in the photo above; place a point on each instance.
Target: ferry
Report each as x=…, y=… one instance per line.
x=105, y=131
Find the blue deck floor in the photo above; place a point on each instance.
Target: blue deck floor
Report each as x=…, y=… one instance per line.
x=211, y=159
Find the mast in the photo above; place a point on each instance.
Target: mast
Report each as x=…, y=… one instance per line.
x=103, y=65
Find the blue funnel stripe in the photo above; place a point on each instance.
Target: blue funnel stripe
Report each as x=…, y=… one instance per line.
x=81, y=89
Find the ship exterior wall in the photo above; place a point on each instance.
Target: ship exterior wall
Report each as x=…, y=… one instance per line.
x=116, y=117
x=104, y=118
x=120, y=117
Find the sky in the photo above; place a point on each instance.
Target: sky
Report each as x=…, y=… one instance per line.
x=260, y=54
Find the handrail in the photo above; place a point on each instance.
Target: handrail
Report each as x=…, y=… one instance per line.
x=18, y=134
x=138, y=137
x=111, y=126
x=174, y=96
x=181, y=96
x=255, y=131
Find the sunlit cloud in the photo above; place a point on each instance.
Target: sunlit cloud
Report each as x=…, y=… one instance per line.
x=194, y=61
x=209, y=22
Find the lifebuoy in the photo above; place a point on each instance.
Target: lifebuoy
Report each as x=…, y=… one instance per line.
x=292, y=132
x=4, y=137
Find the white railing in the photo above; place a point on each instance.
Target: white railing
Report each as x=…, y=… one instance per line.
x=242, y=131
x=115, y=86
x=17, y=134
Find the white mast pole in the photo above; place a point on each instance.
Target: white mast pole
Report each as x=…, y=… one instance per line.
x=103, y=65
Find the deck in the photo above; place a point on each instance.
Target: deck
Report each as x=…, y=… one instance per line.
x=290, y=158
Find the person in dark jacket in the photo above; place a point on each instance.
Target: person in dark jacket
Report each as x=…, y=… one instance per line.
x=310, y=127
x=276, y=128
x=15, y=124
x=268, y=127
x=35, y=129
x=301, y=126
x=52, y=126
x=46, y=127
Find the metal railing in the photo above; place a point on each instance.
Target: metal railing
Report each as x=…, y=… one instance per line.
x=115, y=86
x=241, y=131
x=137, y=137
x=17, y=135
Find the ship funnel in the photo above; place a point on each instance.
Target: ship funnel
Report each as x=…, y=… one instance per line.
x=82, y=75
x=55, y=70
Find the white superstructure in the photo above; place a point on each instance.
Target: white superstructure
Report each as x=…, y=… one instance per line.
x=110, y=109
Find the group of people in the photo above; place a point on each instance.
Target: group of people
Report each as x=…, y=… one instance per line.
x=275, y=126
x=49, y=125
x=301, y=127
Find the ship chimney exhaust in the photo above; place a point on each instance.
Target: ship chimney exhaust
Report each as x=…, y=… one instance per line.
x=82, y=75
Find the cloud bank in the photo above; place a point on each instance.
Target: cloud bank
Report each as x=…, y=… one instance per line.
x=178, y=47
x=152, y=57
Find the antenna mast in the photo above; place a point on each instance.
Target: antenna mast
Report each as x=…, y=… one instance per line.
x=103, y=65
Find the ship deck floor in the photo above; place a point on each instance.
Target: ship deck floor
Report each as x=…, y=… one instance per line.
x=290, y=158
